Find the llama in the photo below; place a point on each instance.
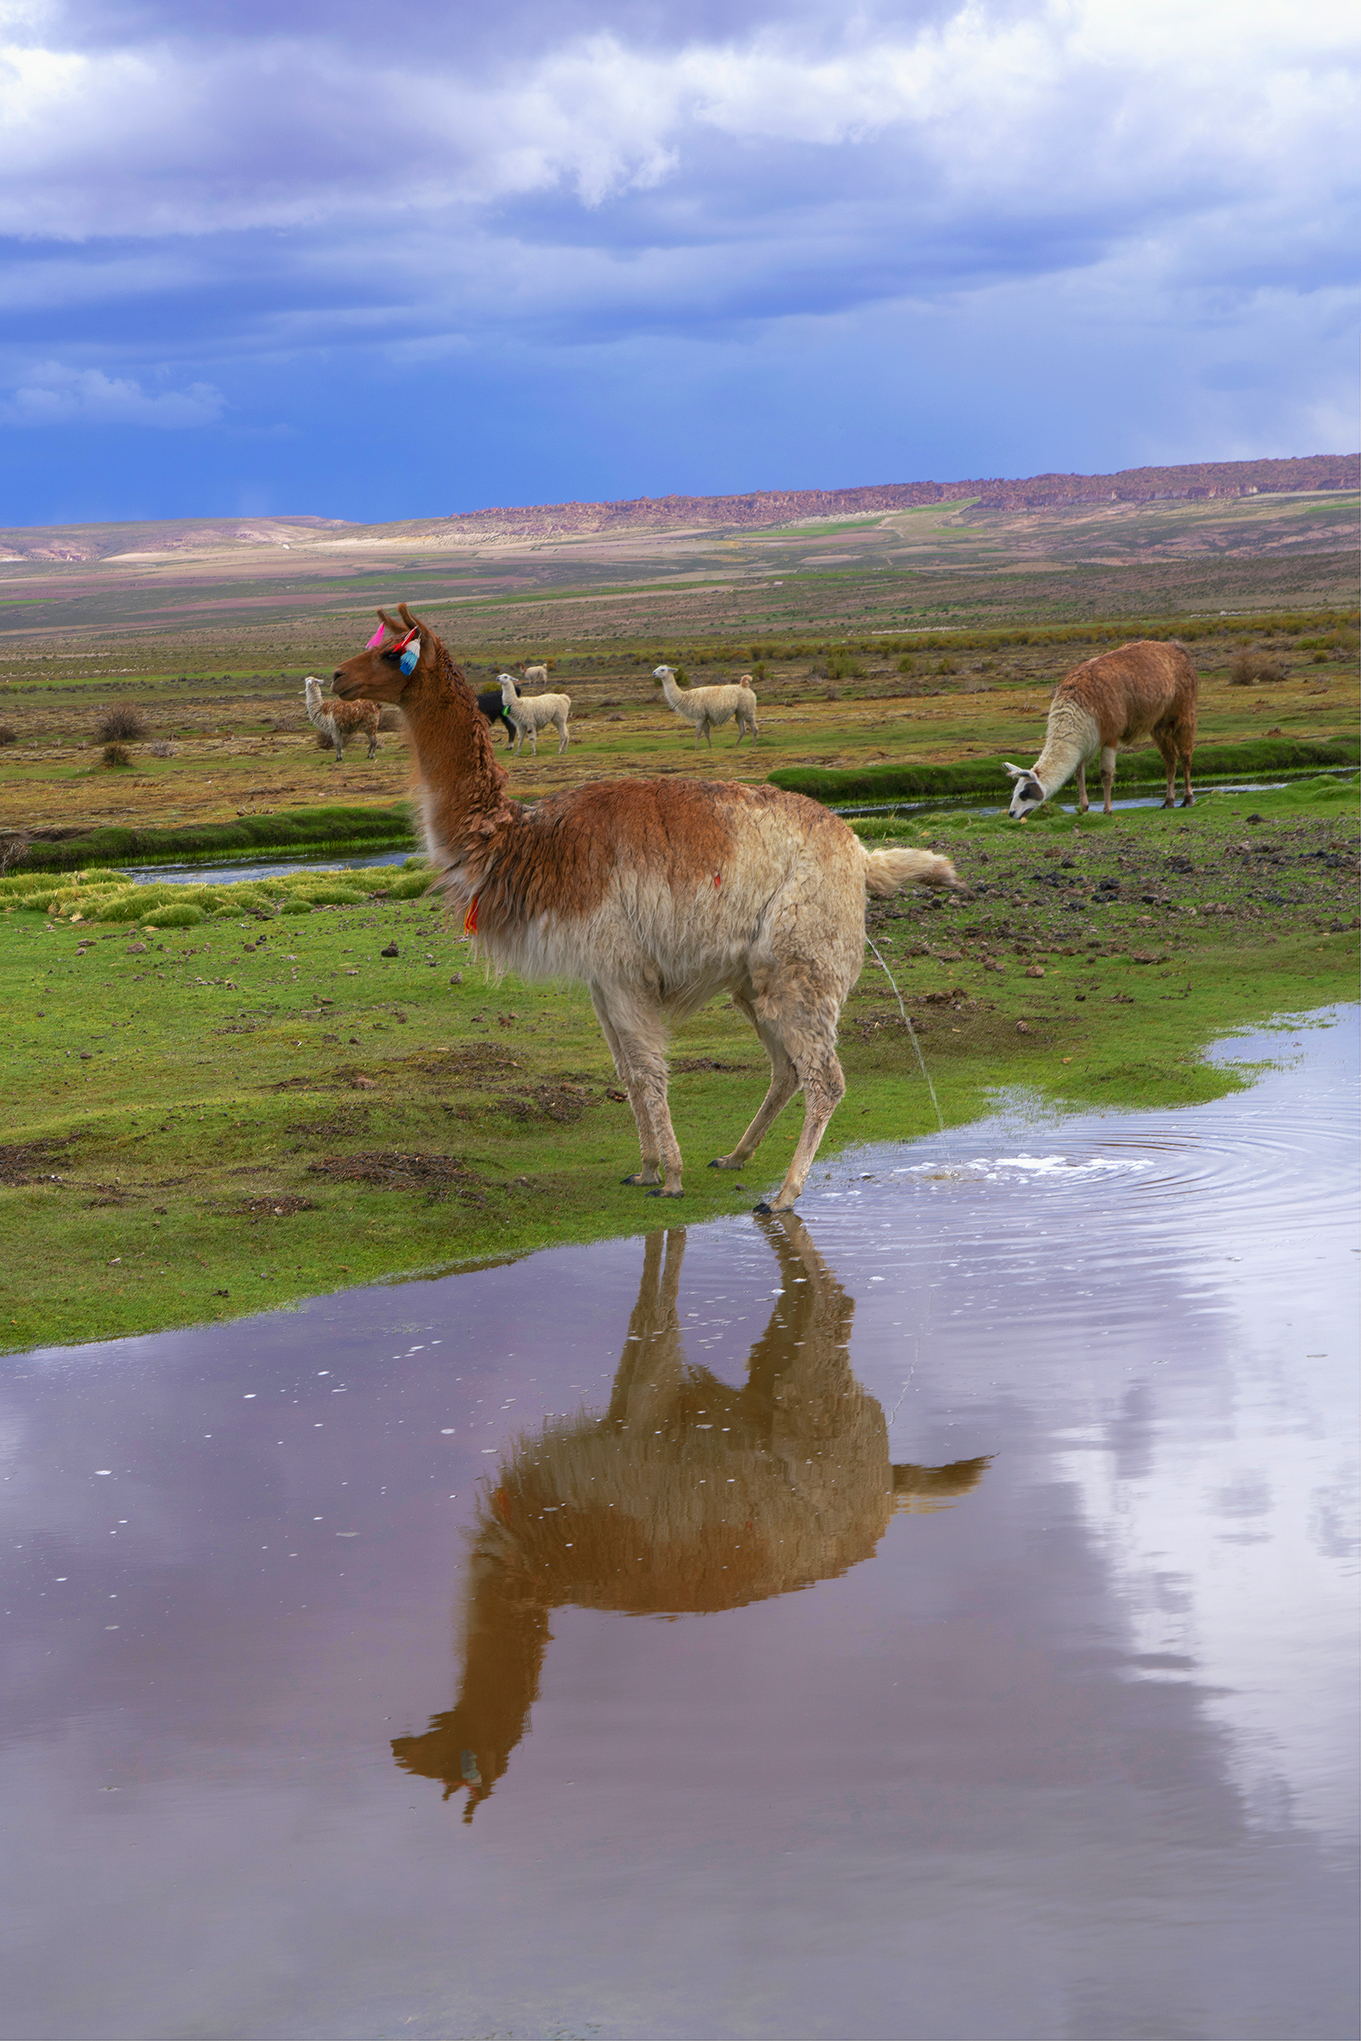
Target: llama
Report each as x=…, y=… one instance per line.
x=707, y=707
x=532, y=713
x=492, y=703
x=685, y=1497
x=535, y=676
x=657, y=894
x=1118, y=700
x=340, y=719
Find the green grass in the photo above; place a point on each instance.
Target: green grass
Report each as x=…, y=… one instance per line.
x=210, y=1120
x=319, y=829
x=984, y=775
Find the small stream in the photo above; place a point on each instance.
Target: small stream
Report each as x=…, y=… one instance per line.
x=932, y=1617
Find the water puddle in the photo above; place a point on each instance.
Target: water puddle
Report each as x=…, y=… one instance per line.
x=212, y=872
x=932, y=1616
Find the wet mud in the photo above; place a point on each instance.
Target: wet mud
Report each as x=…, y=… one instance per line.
x=931, y=1615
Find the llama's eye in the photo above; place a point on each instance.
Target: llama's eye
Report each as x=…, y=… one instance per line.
x=392, y=658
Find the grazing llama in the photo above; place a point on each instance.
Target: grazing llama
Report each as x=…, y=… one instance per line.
x=686, y=1497
x=339, y=719
x=657, y=894
x=492, y=703
x=536, y=676
x=707, y=707
x=1139, y=693
x=532, y=713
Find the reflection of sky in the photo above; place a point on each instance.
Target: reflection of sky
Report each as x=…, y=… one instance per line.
x=628, y=249
x=1063, y=1760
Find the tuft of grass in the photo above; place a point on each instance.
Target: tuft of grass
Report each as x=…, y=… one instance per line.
x=116, y=755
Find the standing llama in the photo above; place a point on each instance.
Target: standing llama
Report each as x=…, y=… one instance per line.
x=658, y=894
x=492, y=703
x=532, y=713
x=707, y=707
x=536, y=676
x=1140, y=692
x=788, y=1478
x=340, y=719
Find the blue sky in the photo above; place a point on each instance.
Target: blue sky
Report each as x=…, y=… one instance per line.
x=383, y=262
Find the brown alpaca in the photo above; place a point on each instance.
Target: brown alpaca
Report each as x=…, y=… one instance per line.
x=657, y=894
x=1140, y=693
x=339, y=719
x=686, y=1497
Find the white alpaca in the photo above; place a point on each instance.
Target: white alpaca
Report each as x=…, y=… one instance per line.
x=1139, y=694
x=707, y=707
x=340, y=720
x=532, y=713
x=536, y=676
x=657, y=894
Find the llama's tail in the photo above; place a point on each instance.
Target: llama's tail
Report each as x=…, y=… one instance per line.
x=887, y=871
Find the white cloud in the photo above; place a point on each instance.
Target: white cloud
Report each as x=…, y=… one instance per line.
x=53, y=394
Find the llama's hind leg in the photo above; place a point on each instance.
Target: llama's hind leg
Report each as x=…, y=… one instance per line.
x=784, y=1082
x=824, y=1087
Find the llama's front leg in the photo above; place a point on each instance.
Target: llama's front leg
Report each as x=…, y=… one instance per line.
x=1082, y=788
x=562, y=745
x=784, y=1082
x=640, y=1097
x=1188, y=799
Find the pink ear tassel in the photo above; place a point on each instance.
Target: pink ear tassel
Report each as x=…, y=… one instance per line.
x=376, y=640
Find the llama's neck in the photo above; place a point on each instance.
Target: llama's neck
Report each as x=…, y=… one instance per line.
x=316, y=712
x=1069, y=741
x=676, y=695
x=465, y=805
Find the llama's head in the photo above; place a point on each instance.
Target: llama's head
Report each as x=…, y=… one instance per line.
x=661, y=674
x=1027, y=793
x=392, y=663
x=509, y=691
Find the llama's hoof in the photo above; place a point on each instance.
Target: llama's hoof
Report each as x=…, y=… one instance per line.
x=660, y=1191
x=637, y=1180
x=1189, y=802
x=725, y=1162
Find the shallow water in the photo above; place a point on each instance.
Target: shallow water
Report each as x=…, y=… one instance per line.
x=933, y=1617
x=209, y=872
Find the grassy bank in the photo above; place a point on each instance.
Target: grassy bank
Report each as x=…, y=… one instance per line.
x=984, y=775
x=291, y=829
x=258, y=1103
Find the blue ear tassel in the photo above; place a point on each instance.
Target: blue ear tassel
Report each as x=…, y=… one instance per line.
x=410, y=656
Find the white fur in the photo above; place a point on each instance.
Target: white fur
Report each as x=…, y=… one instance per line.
x=532, y=713
x=708, y=707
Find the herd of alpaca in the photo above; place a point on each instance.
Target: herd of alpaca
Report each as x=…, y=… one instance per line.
x=338, y=720
x=686, y=1497
x=709, y=707
x=657, y=894
x=1140, y=693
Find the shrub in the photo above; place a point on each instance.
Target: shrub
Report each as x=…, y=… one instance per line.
x=162, y=750
x=126, y=721
x=905, y=664
x=1256, y=669
x=8, y=734
x=116, y=754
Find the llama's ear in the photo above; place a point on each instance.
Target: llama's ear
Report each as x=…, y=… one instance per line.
x=387, y=622
x=1018, y=772
x=412, y=623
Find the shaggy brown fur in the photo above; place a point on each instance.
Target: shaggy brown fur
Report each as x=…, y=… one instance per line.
x=1141, y=693
x=687, y=1496
x=659, y=895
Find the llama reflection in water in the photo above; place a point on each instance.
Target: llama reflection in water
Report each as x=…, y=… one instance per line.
x=686, y=1497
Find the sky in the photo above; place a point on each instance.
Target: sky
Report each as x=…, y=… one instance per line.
x=270, y=256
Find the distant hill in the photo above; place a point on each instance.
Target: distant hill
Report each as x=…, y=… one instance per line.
x=1199, y=480
x=1202, y=479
